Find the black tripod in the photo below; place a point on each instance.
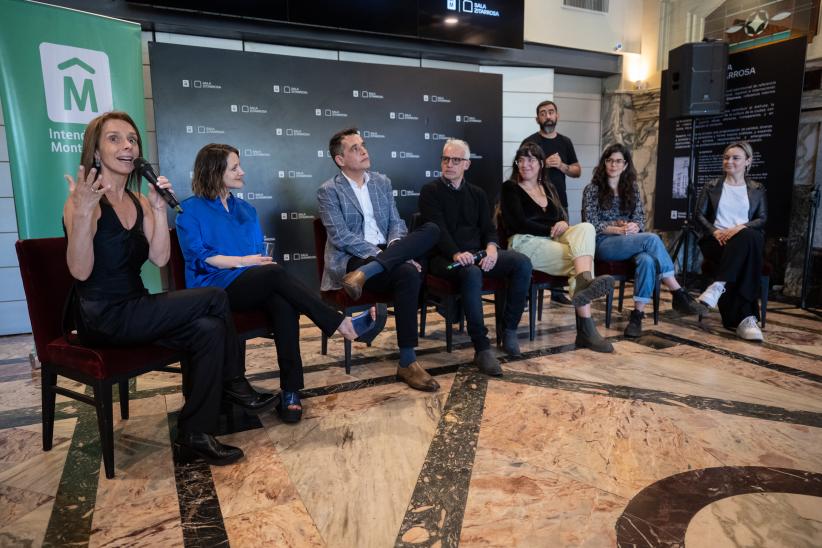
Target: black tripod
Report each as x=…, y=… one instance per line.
x=809, y=234
x=683, y=241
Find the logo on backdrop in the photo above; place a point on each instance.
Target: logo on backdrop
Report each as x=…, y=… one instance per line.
x=76, y=81
x=435, y=99
x=293, y=90
x=402, y=116
x=404, y=155
x=200, y=84
x=295, y=216
x=469, y=6
x=365, y=94
x=291, y=132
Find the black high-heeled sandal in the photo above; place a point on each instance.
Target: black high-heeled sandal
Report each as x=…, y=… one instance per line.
x=283, y=407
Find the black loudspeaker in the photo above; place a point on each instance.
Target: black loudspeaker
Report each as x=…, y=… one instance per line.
x=694, y=83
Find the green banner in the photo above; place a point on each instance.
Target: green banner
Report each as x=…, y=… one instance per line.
x=59, y=68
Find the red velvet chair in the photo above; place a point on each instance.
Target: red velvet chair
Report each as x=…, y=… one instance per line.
x=47, y=281
x=249, y=324
x=540, y=281
x=623, y=271
x=338, y=298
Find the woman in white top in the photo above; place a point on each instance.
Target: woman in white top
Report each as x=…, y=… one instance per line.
x=732, y=212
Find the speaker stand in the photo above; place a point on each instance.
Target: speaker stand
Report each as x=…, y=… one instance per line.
x=683, y=241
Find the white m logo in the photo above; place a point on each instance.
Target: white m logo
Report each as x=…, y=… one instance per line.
x=76, y=82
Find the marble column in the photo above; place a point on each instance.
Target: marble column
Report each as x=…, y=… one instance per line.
x=805, y=176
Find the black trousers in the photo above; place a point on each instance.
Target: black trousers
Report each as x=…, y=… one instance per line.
x=513, y=266
x=740, y=267
x=283, y=298
x=197, y=321
x=401, y=279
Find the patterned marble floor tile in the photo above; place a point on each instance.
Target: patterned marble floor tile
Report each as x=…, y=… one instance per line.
x=152, y=521
x=41, y=470
x=258, y=482
x=690, y=330
x=515, y=503
x=16, y=346
x=355, y=458
x=283, y=525
x=619, y=446
x=761, y=519
x=683, y=370
x=142, y=460
x=28, y=530
x=16, y=503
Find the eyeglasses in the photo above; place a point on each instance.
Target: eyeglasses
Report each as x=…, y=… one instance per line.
x=614, y=161
x=451, y=161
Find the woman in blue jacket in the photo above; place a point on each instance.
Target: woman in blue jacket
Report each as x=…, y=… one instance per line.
x=222, y=243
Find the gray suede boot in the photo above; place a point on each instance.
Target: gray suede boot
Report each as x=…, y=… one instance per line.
x=589, y=337
x=589, y=288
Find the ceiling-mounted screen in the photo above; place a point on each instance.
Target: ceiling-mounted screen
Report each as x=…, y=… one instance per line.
x=495, y=23
x=491, y=23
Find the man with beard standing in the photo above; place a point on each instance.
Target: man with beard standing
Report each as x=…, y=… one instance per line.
x=560, y=160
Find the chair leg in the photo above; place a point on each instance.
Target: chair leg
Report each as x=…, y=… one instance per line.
x=609, y=307
x=347, y=345
x=105, y=424
x=242, y=353
x=123, y=399
x=48, y=382
x=541, y=299
x=532, y=312
x=764, y=299
x=423, y=312
x=499, y=313
x=449, y=327
x=656, y=302
x=621, y=295
x=324, y=345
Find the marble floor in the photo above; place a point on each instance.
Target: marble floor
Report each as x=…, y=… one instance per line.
x=686, y=436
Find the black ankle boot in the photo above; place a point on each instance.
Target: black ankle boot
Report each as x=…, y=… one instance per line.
x=589, y=337
x=634, y=327
x=240, y=392
x=191, y=445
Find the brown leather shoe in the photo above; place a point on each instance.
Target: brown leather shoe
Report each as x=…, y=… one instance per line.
x=416, y=377
x=353, y=282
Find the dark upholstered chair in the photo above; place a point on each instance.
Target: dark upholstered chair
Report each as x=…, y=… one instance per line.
x=709, y=271
x=540, y=281
x=47, y=282
x=338, y=298
x=249, y=324
x=623, y=271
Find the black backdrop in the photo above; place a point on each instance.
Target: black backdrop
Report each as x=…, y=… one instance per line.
x=281, y=111
x=763, y=96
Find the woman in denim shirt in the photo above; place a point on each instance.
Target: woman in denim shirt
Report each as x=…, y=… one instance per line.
x=612, y=203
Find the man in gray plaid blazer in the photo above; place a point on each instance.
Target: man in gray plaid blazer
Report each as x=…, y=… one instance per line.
x=369, y=245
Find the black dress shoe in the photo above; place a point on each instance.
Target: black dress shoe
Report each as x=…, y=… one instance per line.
x=205, y=446
x=240, y=392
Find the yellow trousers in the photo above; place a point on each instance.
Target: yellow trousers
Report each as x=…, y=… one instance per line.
x=556, y=256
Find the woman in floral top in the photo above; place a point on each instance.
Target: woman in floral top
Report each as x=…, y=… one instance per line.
x=612, y=203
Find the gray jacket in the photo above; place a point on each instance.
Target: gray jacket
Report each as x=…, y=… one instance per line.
x=708, y=201
x=343, y=218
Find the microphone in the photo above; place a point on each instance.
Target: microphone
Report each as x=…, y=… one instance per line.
x=144, y=169
x=477, y=256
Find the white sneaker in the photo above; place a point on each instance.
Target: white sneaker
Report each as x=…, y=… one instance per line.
x=711, y=294
x=749, y=330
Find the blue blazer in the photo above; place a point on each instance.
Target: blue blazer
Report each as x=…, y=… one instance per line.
x=343, y=218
